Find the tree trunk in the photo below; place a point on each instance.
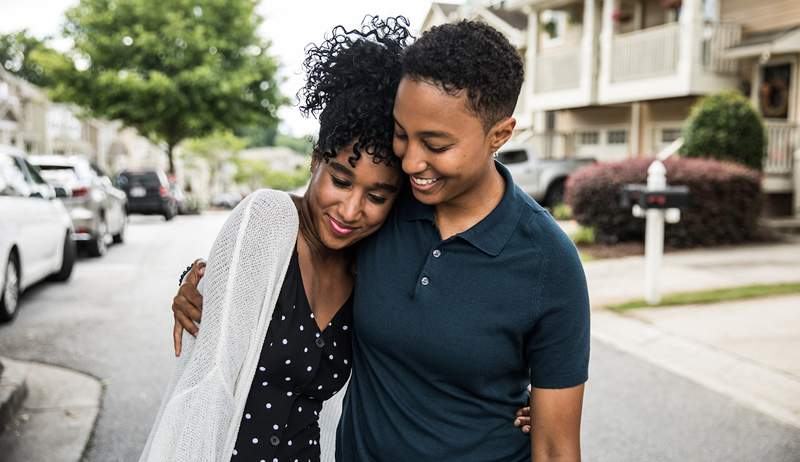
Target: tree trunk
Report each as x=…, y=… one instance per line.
x=170, y=146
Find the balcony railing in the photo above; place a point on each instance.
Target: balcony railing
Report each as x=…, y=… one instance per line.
x=716, y=38
x=650, y=52
x=782, y=140
x=558, y=69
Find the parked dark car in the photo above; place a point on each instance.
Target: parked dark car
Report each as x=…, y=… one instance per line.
x=148, y=192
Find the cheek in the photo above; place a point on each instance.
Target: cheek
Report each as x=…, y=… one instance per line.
x=398, y=146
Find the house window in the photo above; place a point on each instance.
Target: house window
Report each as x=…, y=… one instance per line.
x=668, y=135
x=617, y=137
x=588, y=138
x=773, y=94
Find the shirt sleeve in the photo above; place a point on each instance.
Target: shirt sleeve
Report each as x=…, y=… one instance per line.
x=558, y=345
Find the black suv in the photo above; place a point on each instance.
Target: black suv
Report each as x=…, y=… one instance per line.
x=148, y=192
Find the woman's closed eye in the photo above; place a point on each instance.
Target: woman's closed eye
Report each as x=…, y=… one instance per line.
x=340, y=183
x=377, y=199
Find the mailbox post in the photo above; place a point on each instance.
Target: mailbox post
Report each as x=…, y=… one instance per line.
x=657, y=203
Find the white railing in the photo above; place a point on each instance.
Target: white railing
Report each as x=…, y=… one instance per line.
x=558, y=69
x=716, y=38
x=782, y=140
x=645, y=53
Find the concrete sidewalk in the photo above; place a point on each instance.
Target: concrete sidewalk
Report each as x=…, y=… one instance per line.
x=56, y=419
x=622, y=279
x=746, y=349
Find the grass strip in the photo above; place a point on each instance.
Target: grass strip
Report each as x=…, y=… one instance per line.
x=714, y=296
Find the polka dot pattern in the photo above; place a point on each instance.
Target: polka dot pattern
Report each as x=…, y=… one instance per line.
x=300, y=367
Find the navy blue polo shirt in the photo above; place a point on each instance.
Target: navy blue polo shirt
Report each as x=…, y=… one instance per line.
x=448, y=334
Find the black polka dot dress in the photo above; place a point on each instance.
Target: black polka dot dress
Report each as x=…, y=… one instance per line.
x=299, y=368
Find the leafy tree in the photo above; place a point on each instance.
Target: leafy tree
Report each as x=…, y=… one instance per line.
x=258, y=174
x=172, y=69
x=215, y=149
x=21, y=54
x=725, y=126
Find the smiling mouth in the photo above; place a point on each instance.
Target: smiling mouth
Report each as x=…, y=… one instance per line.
x=339, y=228
x=424, y=183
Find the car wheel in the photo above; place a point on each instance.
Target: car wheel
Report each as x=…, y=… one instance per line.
x=9, y=298
x=68, y=261
x=555, y=194
x=119, y=238
x=169, y=214
x=97, y=246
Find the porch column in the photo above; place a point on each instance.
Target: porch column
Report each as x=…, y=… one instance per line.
x=635, y=138
x=691, y=35
x=531, y=53
x=589, y=48
x=796, y=183
x=606, y=40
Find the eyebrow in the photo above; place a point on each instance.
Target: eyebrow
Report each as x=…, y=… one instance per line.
x=428, y=133
x=346, y=171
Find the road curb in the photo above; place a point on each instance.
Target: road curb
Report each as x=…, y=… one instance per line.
x=56, y=420
x=758, y=387
x=13, y=391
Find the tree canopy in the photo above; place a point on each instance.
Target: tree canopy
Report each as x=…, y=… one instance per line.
x=173, y=70
x=21, y=54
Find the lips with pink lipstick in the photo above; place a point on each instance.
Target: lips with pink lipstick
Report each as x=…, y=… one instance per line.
x=338, y=228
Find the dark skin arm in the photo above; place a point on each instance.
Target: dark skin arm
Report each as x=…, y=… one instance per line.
x=558, y=424
x=187, y=310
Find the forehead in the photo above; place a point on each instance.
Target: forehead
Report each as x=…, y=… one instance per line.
x=420, y=102
x=365, y=169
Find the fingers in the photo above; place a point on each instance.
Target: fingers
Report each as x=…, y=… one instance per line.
x=524, y=412
x=177, y=336
x=186, y=323
x=526, y=429
x=197, y=272
x=189, y=299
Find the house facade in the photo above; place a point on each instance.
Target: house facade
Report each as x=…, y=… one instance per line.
x=612, y=79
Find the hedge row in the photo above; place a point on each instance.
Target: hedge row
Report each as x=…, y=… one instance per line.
x=724, y=201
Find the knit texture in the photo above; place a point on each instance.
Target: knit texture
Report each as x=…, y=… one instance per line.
x=199, y=417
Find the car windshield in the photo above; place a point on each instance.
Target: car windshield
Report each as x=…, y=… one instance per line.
x=512, y=157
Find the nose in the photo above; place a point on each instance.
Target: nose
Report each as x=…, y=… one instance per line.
x=351, y=208
x=413, y=160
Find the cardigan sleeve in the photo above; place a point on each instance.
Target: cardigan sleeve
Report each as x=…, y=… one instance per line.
x=245, y=268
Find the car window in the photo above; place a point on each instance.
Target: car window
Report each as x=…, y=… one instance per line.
x=142, y=178
x=31, y=172
x=516, y=156
x=59, y=174
x=12, y=178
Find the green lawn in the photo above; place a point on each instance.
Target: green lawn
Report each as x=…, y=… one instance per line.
x=715, y=296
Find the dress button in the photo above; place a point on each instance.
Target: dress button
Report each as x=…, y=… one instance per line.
x=425, y=281
x=437, y=253
x=319, y=342
x=274, y=440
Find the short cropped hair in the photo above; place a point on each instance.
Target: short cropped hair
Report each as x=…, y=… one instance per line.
x=471, y=56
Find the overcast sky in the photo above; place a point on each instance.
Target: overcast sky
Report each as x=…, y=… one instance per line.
x=289, y=24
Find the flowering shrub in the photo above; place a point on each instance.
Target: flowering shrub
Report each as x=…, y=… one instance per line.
x=724, y=201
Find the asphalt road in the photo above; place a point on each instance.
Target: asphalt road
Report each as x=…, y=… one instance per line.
x=112, y=320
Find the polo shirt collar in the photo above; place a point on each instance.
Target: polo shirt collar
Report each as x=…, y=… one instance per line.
x=491, y=234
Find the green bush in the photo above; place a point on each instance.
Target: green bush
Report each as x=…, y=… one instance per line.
x=562, y=212
x=725, y=126
x=724, y=201
x=583, y=236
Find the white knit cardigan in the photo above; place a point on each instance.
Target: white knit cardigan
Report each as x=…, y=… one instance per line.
x=199, y=416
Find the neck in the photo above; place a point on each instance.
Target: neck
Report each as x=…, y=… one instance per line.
x=470, y=207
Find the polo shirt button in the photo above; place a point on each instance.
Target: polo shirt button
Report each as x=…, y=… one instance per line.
x=274, y=440
x=425, y=281
x=319, y=342
x=437, y=253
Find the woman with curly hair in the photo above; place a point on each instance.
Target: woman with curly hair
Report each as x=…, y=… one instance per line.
x=277, y=289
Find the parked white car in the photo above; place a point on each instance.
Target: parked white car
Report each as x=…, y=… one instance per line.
x=35, y=231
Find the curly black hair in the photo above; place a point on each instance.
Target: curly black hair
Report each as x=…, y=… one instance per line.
x=471, y=56
x=351, y=80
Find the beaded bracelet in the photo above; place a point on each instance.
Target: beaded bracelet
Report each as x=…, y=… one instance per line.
x=185, y=272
